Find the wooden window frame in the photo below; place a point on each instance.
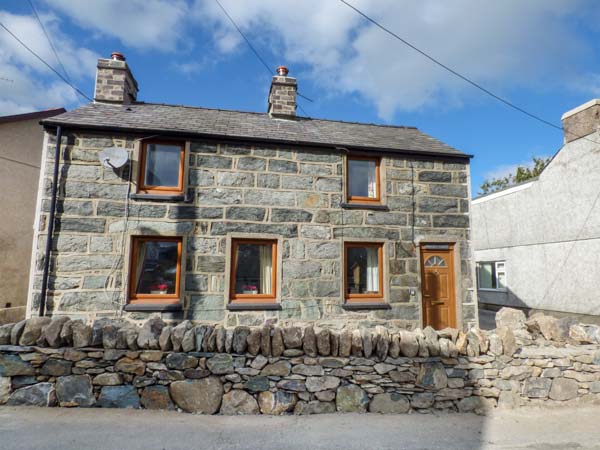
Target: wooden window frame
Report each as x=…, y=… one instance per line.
x=361, y=199
x=135, y=298
x=370, y=297
x=253, y=298
x=164, y=190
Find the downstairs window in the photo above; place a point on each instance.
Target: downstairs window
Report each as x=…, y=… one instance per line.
x=363, y=268
x=253, y=271
x=155, y=275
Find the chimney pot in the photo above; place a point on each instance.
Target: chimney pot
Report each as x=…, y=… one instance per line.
x=282, y=71
x=117, y=56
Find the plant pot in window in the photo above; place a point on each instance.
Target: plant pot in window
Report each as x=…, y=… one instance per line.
x=249, y=290
x=159, y=289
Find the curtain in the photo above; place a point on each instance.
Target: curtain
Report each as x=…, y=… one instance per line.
x=139, y=264
x=266, y=269
x=372, y=269
x=372, y=180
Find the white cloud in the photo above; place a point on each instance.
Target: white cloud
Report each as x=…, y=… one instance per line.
x=502, y=45
x=137, y=23
x=33, y=85
x=499, y=44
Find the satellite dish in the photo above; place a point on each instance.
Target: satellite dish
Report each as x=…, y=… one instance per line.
x=113, y=157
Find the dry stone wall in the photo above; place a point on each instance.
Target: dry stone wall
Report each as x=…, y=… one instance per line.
x=290, y=192
x=301, y=370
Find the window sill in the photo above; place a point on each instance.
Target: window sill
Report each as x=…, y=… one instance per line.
x=141, y=307
x=373, y=207
x=254, y=306
x=365, y=306
x=159, y=197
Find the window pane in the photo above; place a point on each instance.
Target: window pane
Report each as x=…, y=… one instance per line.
x=254, y=269
x=362, y=267
x=500, y=275
x=162, y=165
x=435, y=261
x=485, y=275
x=156, y=267
x=501, y=280
x=362, y=178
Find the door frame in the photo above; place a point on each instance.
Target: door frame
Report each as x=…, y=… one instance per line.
x=456, y=250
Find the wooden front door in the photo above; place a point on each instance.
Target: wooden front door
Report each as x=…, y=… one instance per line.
x=437, y=278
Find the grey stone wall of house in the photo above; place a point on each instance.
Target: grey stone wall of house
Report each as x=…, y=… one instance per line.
x=293, y=193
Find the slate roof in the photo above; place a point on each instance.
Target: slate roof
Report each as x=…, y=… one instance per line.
x=185, y=120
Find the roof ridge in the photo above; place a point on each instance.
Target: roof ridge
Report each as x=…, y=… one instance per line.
x=405, y=127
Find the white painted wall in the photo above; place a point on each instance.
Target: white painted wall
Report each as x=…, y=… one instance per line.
x=548, y=232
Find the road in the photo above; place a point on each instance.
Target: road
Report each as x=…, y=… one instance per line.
x=103, y=429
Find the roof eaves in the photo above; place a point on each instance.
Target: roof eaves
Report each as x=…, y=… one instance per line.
x=512, y=186
x=33, y=115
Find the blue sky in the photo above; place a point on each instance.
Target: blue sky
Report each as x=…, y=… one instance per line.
x=542, y=55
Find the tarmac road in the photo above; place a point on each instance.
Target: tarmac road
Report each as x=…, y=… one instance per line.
x=102, y=429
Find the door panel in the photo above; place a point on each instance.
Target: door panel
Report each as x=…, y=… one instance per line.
x=439, y=303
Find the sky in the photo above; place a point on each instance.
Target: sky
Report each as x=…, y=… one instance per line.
x=542, y=55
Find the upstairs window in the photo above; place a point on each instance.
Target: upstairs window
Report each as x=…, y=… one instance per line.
x=155, y=274
x=363, y=272
x=363, y=184
x=253, y=271
x=161, y=167
x=491, y=275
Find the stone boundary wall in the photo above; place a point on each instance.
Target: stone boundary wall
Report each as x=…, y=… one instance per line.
x=300, y=370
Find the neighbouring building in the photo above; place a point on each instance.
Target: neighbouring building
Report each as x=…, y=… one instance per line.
x=21, y=139
x=535, y=243
x=240, y=218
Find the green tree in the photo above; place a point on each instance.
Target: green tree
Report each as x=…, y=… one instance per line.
x=523, y=173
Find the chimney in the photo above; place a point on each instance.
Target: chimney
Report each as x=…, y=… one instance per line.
x=581, y=121
x=282, y=97
x=114, y=81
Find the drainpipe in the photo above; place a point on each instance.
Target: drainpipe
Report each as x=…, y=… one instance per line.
x=50, y=221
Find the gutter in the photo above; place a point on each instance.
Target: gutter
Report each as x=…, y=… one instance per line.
x=53, y=193
x=237, y=139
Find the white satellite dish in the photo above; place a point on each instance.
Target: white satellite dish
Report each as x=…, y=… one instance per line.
x=113, y=157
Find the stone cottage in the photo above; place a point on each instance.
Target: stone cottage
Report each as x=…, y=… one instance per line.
x=240, y=218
